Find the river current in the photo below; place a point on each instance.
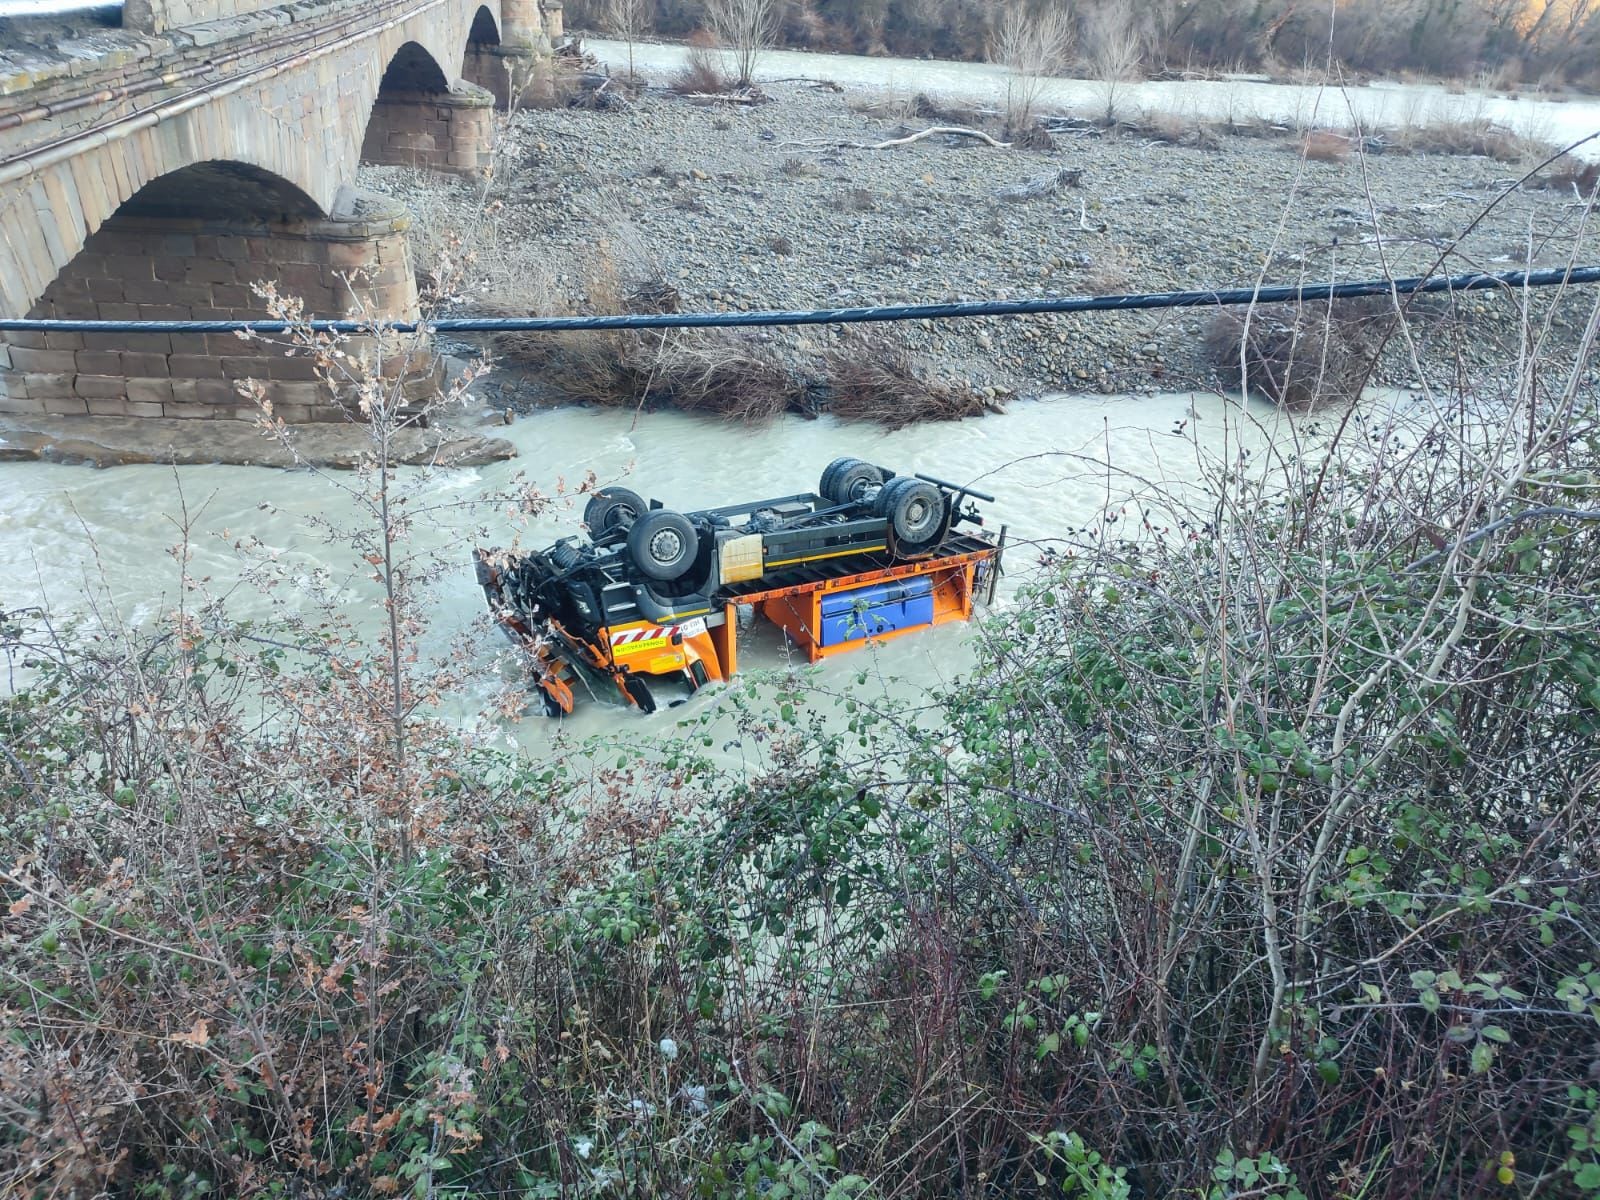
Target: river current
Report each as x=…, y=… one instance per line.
x=1560, y=119
x=73, y=538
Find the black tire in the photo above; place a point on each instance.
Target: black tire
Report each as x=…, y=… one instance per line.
x=663, y=545
x=825, y=487
x=913, y=507
x=849, y=482
x=612, y=509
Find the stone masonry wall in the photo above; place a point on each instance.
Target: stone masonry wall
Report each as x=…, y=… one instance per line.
x=173, y=269
x=442, y=131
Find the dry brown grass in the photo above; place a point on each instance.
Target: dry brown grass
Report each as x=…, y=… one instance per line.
x=1298, y=356
x=1324, y=145
x=718, y=372
x=1176, y=129
x=1479, y=136
x=723, y=373
x=873, y=377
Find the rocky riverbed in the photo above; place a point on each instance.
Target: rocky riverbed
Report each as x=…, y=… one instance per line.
x=777, y=205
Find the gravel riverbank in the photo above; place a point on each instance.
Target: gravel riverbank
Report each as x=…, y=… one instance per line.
x=764, y=206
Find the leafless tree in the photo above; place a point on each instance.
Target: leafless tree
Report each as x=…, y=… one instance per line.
x=1114, y=53
x=628, y=19
x=745, y=29
x=1032, y=47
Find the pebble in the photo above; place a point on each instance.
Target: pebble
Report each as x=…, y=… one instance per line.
x=575, y=178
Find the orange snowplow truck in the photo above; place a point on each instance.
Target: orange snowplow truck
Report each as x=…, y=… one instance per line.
x=652, y=595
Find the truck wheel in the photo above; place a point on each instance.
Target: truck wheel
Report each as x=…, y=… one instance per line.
x=913, y=507
x=825, y=487
x=663, y=544
x=611, y=509
x=850, y=481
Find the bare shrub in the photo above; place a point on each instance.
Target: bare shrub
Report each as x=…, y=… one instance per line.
x=874, y=377
x=891, y=104
x=1032, y=45
x=701, y=73
x=857, y=199
x=1177, y=129
x=1569, y=174
x=796, y=167
x=1323, y=145
x=1297, y=356
x=745, y=29
x=714, y=371
x=945, y=113
x=780, y=244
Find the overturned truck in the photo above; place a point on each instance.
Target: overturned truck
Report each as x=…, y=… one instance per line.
x=654, y=595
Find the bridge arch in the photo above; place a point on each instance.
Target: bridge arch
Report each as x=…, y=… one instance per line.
x=485, y=29
x=197, y=244
x=418, y=118
x=208, y=190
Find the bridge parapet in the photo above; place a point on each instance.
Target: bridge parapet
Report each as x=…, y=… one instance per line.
x=155, y=16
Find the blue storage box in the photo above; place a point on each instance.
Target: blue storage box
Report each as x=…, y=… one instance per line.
x=884, y=608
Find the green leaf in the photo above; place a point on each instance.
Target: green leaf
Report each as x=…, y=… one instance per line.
x=1496, y=1034
x=1482, y=1058
x=989, y=984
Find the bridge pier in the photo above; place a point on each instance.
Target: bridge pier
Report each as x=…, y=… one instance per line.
x=156, y=267
x=505, y=72
x=506, y=62
x=442, y=131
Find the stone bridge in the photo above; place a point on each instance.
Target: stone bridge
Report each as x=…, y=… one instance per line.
x=160, y=170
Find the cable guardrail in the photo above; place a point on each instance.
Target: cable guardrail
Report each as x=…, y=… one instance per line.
x=1200, y=298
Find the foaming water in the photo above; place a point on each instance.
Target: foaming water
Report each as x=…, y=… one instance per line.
x=86, y=541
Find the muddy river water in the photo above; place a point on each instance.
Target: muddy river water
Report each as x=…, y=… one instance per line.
x=1379, y=105
x=71, y=535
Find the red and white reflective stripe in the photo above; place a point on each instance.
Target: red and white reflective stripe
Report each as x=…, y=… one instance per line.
x=644, y=634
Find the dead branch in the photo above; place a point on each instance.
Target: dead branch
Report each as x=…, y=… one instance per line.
x=952, y=130
x=740, y=96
